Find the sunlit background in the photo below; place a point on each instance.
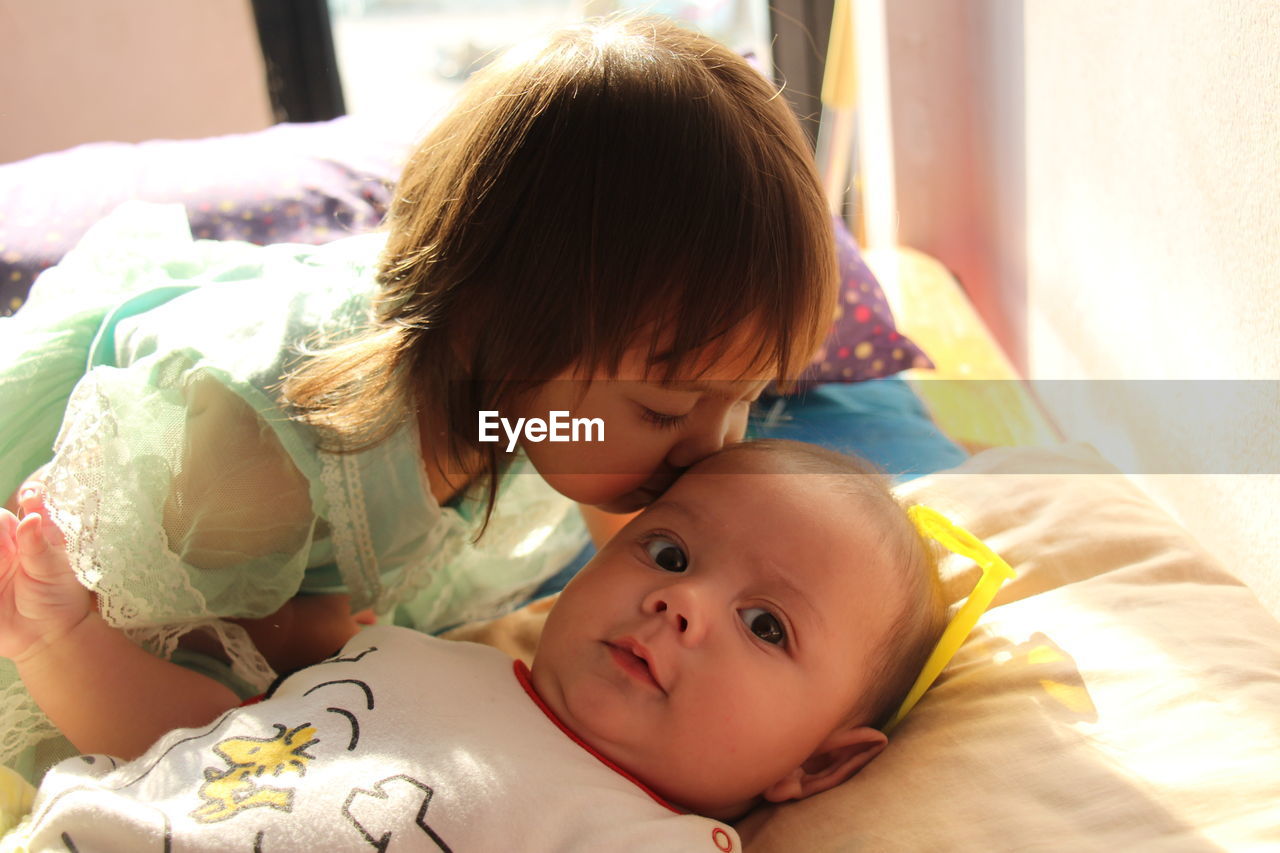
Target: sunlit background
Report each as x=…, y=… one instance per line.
x=396, y=53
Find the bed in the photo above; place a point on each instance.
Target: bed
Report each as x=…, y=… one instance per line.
x=1122, y=693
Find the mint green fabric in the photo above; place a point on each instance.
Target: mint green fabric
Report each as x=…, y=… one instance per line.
x=186, y=492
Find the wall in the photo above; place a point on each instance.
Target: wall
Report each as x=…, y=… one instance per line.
x=1103, y=176
x=74, y=71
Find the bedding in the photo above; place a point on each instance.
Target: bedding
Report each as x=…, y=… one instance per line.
x=1123, y=693
x=881, y=419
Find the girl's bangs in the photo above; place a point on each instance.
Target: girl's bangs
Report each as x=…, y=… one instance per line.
x=757, y=289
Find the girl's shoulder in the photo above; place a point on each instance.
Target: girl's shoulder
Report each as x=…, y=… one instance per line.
x=244, y=311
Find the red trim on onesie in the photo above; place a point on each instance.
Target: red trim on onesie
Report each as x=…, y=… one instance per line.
x=522, y=675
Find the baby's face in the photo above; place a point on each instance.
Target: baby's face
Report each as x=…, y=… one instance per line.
x=719, y=639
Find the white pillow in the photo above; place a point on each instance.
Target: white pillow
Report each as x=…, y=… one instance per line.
x=1122, y=694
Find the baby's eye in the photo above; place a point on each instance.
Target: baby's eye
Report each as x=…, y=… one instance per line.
x=764, y=625
x=667, y=555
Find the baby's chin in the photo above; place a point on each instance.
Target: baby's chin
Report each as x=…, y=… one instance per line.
x=709, y=801
x=707, y=805
x=669, y=780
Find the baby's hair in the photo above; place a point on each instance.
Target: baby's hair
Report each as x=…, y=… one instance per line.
x=914, y=633
x=616, y=179
x=921, y=613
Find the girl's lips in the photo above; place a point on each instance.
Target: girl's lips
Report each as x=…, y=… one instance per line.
x=644, y=494
x=633, y=501
x=633, y=659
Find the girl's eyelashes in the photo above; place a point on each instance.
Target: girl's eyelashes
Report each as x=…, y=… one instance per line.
x=661, y=419
x=767, y=627
x=666, y=554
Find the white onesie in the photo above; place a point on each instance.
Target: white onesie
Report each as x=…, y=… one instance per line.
x=400, y=742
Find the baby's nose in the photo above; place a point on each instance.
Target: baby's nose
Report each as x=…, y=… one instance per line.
x=680, y=608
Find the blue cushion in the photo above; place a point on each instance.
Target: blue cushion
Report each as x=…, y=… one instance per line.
x=881, y=420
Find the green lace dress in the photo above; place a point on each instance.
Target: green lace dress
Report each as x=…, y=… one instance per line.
x=149, y=363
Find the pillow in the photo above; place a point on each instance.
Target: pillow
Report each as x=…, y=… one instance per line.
x=291, y=183
x=1121, y=694
x=864, y=343
x=881, y=420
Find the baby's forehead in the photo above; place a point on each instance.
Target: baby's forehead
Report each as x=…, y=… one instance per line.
x=743, y=459
x=754, y=495
x=764, y=495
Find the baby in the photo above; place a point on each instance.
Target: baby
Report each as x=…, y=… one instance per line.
x=737, y=642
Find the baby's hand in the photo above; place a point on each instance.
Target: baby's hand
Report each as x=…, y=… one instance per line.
x=40, y=598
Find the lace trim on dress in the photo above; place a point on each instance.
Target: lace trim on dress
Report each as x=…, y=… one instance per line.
x=247, y=663
x=349, y=528
x=372, y=584
x=532, y=534
x=22, y=723
x=446, y=541
x=147, y=585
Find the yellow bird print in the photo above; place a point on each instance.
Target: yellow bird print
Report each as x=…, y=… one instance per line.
x=226, y=792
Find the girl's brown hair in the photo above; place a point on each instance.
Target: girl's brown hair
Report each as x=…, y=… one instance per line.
x=618, y=179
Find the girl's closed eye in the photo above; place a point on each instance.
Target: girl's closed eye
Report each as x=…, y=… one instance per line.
x=662, y=420
x=666, y=554
x=766, y=626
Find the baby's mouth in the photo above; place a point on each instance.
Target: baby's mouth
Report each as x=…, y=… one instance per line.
x=630, y=658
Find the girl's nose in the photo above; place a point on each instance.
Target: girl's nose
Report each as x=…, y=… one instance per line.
x=708, y=435
x=679, y=606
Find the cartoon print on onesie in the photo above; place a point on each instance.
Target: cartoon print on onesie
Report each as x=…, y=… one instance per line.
x=402, y=741
x=227, y=792
x=259, y=768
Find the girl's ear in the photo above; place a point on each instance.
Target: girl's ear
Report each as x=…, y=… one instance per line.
x=843, y=753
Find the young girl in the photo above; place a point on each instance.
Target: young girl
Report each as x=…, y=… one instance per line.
x=623, y=201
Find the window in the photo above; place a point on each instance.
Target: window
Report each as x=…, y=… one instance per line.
x=397, y=55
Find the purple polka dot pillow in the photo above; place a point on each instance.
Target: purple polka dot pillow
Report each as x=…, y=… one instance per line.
x=864, y=342
x=291, y=183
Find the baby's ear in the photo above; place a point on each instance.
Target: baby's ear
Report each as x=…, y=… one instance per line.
x=845, y=751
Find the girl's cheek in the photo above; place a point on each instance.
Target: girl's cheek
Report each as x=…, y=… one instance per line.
x=634, y=454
